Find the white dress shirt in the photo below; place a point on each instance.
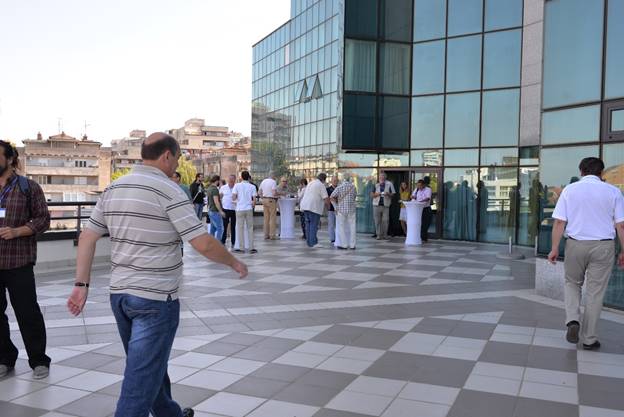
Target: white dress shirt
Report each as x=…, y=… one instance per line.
x=388, y=191
x=268, y=188
x=245, y=193
x=314, y=197
x=591, y=209
x=226, y=200
x=423, y=196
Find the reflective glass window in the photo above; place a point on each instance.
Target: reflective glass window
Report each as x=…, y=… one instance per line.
x=460, y=203
x=501, y=14
x=396, y=20
x=429, y=19
x=501, y=59
x=617, y=121
x=573, y=31
x=394, y=122
x=498, y=208
x=461, y=157
x=360, y=65
x=530, y=199
x=614, y=82
x=581, y=124
x=360, y=18
x=462, y=120
x=427, y=121
x=529, y=155
x=613, y=157
x=463, y=70
x=464, y=16
x=394, y=160
x=428, y=68
x=426, y=158
x=499, y=156
x=394, y=72
x=359, y=122
x=500, y=120
x=357, y=159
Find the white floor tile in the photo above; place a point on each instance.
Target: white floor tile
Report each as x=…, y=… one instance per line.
x=407, y=408
x=356, y=402
x=522, y=339
x=211, y=380
x=499, y=371
x=232, y=405
x=283, y=409
x=177, y=373
x=51, y=398
x=429, y=393
x=493, y=385
x=91, y=381
x=57, y=374
x=196, y=360
x=237, y=366
x=296, y=334
x=306, y=360
x=349, y=366
x=404, y=325
x=379, y=386
x=549, y=392
x=446, y=351
x=545, y=376
x=418, y=343
x=13, y=388
x=316, y=348
x=601, y=369
x=362, y=354
x=586, y=411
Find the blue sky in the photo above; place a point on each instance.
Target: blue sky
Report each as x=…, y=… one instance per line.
x=128, y=64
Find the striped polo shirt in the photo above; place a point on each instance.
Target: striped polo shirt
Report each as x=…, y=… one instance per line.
x=146, y=215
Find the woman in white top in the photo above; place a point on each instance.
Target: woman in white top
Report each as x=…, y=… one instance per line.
x=302, y=187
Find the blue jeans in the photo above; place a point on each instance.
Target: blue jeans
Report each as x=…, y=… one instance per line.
x=216, y=224
x=147, y=329
x=199, y=210
x=312, y=224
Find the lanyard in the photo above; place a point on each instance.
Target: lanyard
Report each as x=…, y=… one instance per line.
x=7, y=189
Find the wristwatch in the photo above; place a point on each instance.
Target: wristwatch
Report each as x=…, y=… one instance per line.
x=81, y=284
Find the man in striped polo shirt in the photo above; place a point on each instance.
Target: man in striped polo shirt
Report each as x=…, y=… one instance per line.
x=146, y=216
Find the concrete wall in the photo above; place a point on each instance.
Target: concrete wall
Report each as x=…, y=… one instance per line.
x=60, y=255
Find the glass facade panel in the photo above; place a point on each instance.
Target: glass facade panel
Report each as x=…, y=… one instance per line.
x=426, y=158
x=498, y=204
x=394, y=72
x=613, y=156
x=356, y=160
x=499, y=156
x=558, y=168
x=428, y=68
x=581, y=124
x=394, y=122
x=360, y=65
x=462, y=120
x=465, y=16
x=391, y=160
x=573, y=31
x=396, y=21
x=361, y=18
x=614, y=81
x=461, y=157
x=460, y=203
x=501, y=59
x=617, y=121
x=501, y=14
x=531, y=197
x=500, y=120
x=429, y=19
x=529, y=155
x=463, y=70
x=359, y=122
x=427, y=121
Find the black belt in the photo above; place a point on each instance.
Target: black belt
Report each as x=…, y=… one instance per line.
x=599, y=240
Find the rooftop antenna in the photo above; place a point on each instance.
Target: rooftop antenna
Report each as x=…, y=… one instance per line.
x=85, y=127
x=59, y=122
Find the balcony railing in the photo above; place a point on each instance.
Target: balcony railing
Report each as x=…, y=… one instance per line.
x=71, y=225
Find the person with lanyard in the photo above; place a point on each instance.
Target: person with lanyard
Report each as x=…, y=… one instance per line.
x=229, y=207
x=422, y=194
x=198, y=193
x=23, y=215
x=382, y=198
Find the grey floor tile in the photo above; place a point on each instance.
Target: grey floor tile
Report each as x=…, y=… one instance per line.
x=260, y=353
x=187, y=396
x=278, y=343
x=394, y=365
x=117, y=367
x=505, y=353
x=340, y=334
x=220, y=348
x=257, y=387
x=482, y=404
x=326, y=412
x=601, y=392
x=307, y=394
x=322, y=378
x=528, y=407
x=93, y=405
x=432, y=325
x=89, y=360
x=473, y=330
x=377, y=339
x=279, y=372
x=242, y=339
x=552, y=358
x=13, y=410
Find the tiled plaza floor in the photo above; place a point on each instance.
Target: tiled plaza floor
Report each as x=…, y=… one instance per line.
x=446, y=329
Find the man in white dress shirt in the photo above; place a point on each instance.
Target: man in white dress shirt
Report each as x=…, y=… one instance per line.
x=268, y=195
x=422, y=194
x=590, y=211
x=244, y=195
x=313, y=203
x=229, y=207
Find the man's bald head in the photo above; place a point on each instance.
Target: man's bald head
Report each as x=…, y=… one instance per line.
x=156, y=144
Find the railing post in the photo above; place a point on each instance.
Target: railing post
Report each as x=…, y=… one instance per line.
x=78, y=223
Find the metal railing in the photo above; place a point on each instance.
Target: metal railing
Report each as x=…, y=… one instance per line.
x=70, y=225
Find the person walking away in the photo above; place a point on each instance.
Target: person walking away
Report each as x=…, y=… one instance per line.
x=300, y=193
x=146, y=215
x=215, y=210
x=404, y=195
x=591, y=212
x=422, y=194
x=199, y=194
x=177, y=178
x=23, y=215
x=382, y=198
x=344, y=198
x=244, y=195
x=331, y=211
x=268, y=196
x=229, y=207
x=314, y=201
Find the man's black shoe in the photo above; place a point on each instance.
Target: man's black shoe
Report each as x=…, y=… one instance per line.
x=572, y=335
x=188, y=412
x=593, y=346
x=375, y=235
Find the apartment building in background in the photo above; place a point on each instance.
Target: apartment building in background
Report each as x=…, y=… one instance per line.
x=126, y=152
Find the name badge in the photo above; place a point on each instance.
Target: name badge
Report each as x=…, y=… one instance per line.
x=2, y=213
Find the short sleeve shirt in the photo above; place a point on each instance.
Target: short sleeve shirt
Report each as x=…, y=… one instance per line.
x=314, y=197
x=245, y=194
x=211, y=192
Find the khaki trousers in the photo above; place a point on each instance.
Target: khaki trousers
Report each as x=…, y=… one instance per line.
x=382, y=216
x=590, y=262
x=269, y=207
x=244, y=224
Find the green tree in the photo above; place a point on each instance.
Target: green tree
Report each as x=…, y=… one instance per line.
x=187, y=171
x=118, y=173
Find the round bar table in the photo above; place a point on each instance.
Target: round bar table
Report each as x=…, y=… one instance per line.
x=414, y=211
x=287, y=217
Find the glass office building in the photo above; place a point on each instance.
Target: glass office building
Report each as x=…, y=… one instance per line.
x=496, y=101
